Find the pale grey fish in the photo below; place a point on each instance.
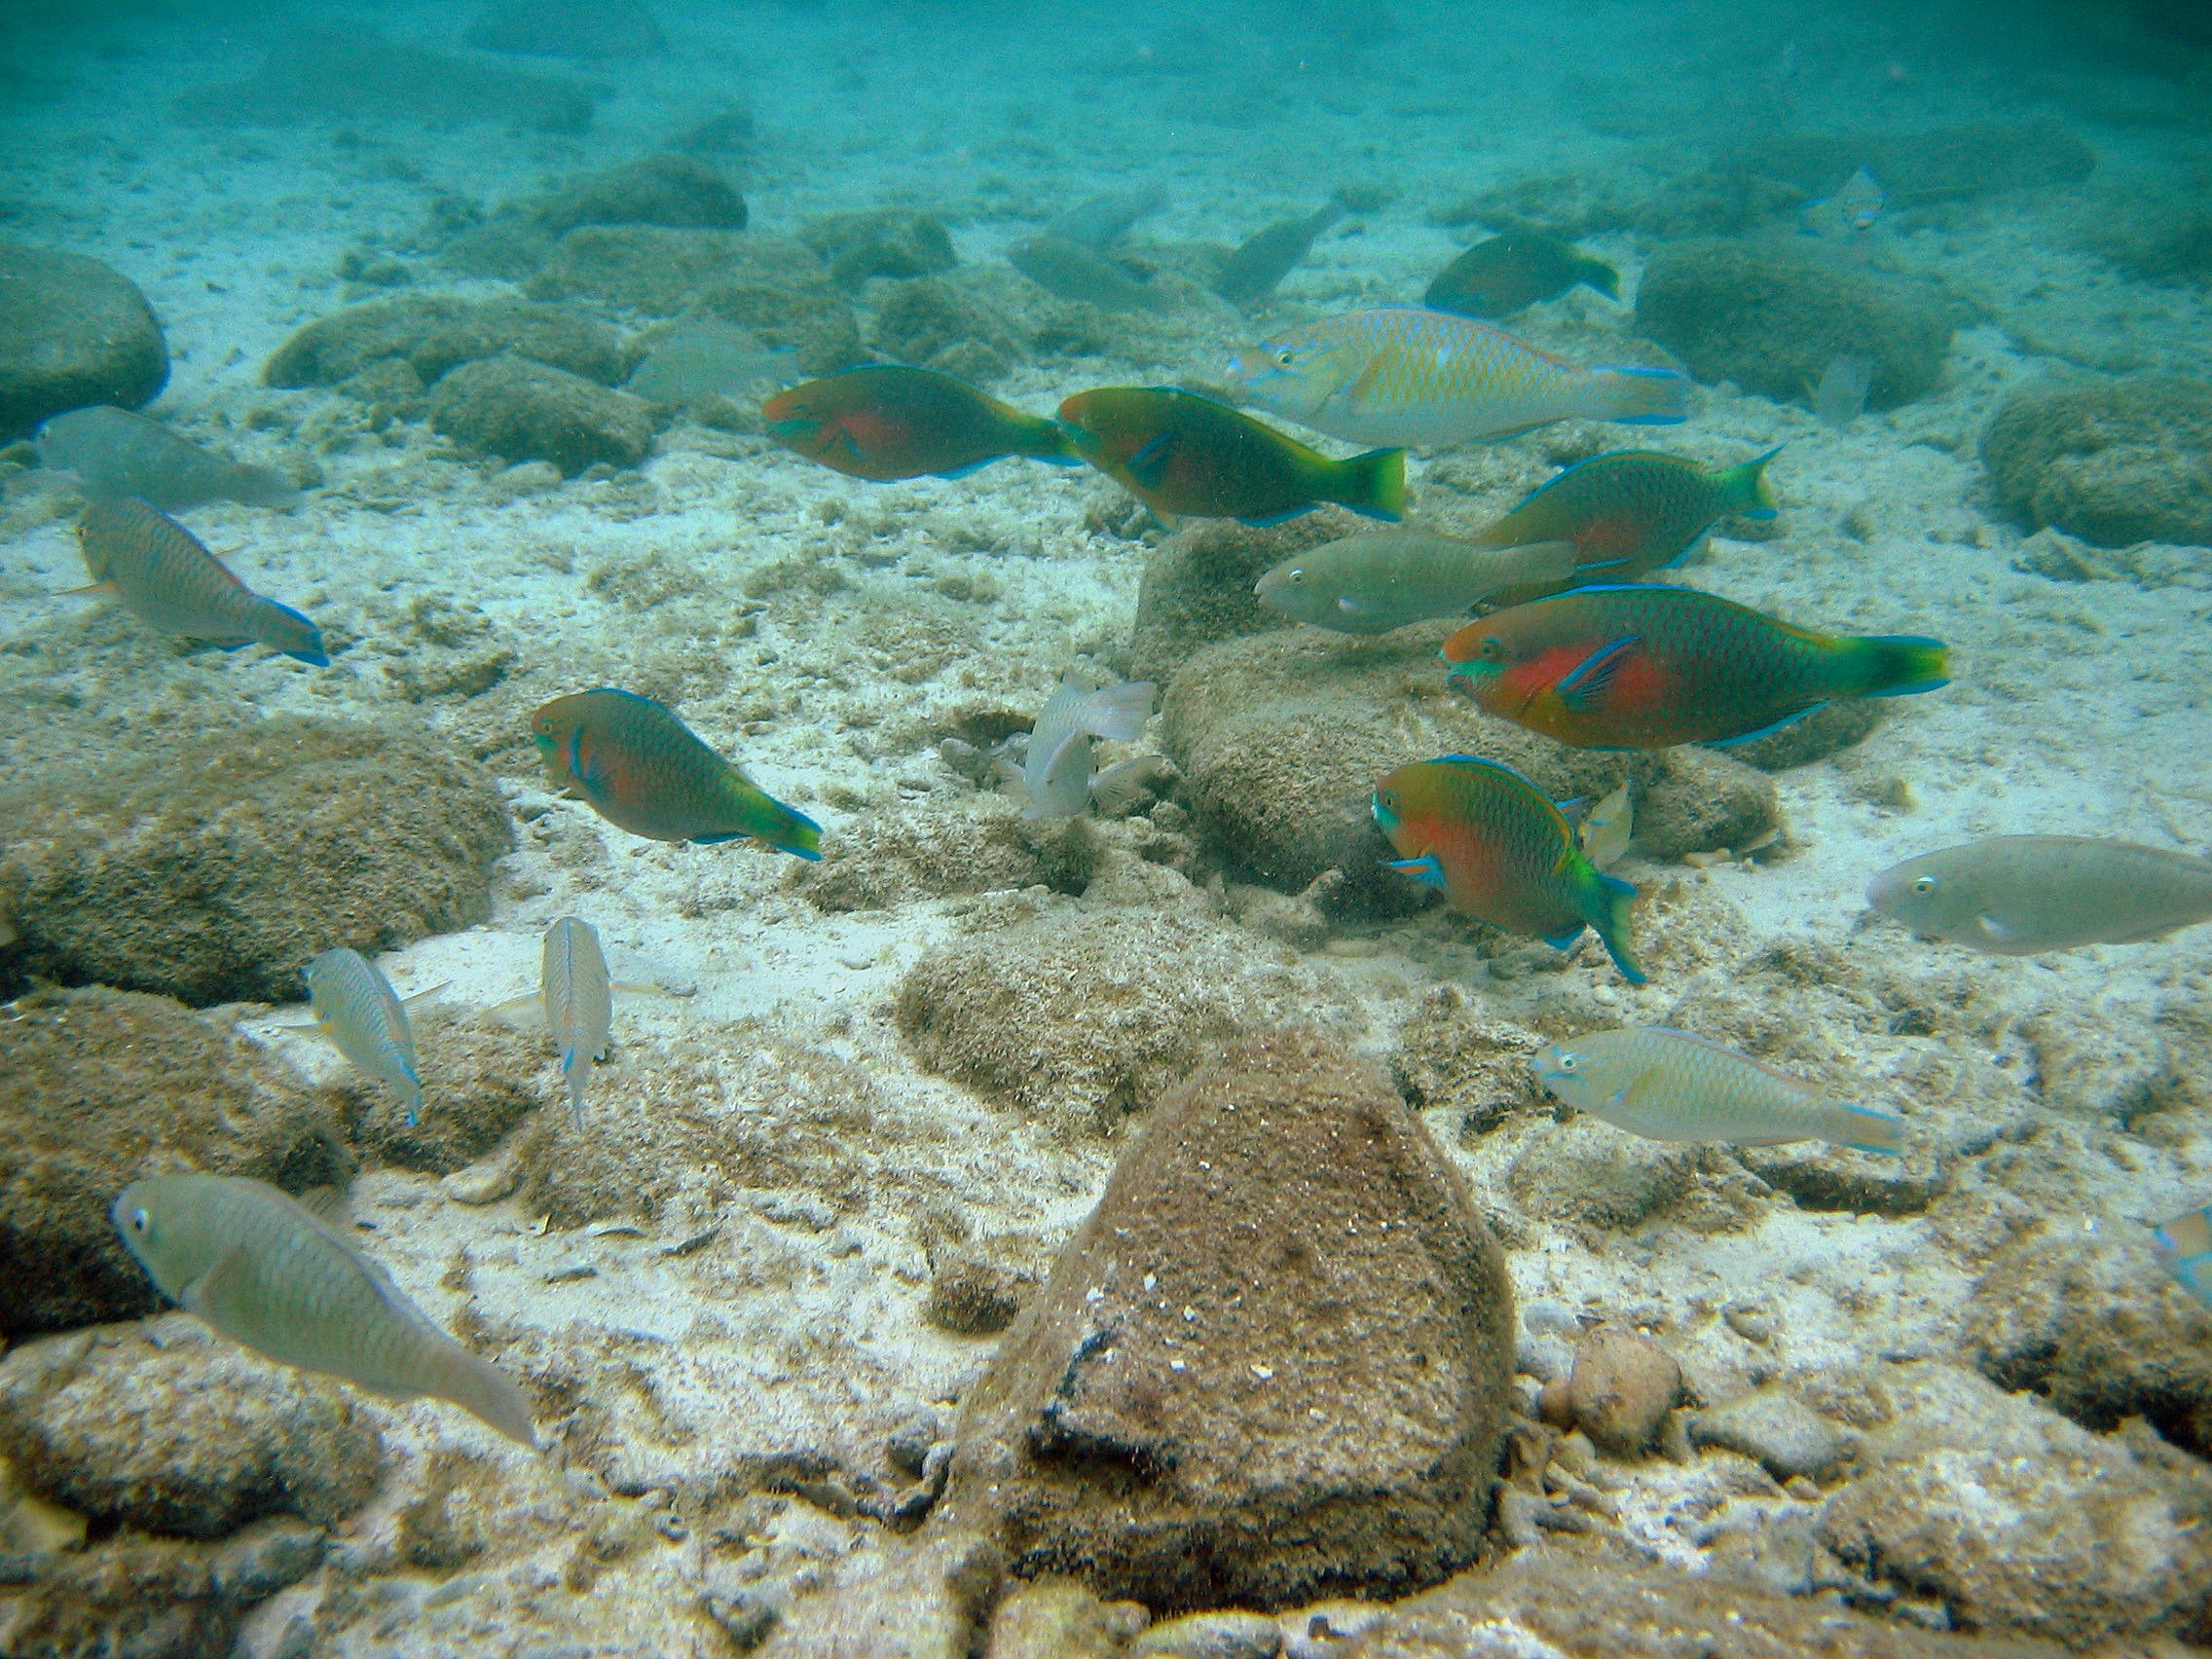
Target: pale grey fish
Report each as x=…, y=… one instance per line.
x=116, y=453
x=272, y=1275
x=2184, y=1248
x=357, y=1009
x=1608, y=828
x=1056, y=774
x=1262, y=261
x=1074, y=271
x=1376, y=580
x=1671, y=1087
x=1851, y=211
x=1104, y=220
x=1841, y=396
x=704, y=357
x=165, y=578
x=2022, y=895
x=580, y=1003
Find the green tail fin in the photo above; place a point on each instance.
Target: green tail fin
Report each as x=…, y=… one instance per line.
x=1374, y=483
x=1609, y=918
x=1747, y=489
x=1895, y=665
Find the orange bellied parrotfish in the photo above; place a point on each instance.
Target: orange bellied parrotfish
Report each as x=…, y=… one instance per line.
x=163, y=576
x=1634, y=512
x=886, y=422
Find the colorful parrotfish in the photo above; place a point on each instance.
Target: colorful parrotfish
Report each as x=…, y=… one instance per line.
x=1634, y=512
x=888, y=422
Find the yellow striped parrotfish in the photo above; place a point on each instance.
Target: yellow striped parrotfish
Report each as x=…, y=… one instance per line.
x=272, y=1274
x=2184, y=1250
x=2023, y=895
x=357, y=1009
x=1671, y=1087
x=645, y=771
x=163, y=577
x=1403, y=375
x=580, y=1003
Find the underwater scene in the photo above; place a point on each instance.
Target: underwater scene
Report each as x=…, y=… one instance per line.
x=1229, y=829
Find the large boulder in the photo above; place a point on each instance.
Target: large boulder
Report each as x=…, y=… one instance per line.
x=1273, y=1363
x=98, y=1088
x=678, y=191
x=73, y=333
x=432, y=333
x=514, y=409
x=2114, y=464
x=209, y=860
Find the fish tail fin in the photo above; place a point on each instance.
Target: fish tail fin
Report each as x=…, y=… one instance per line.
x=1639, y=397
x=487, y=1393
x=1747, y=491
x=1867, y=1130
x=1051, y=441
x=1597, y=273
x=576, y=1068
x=1610, y=919
x=796, y=834
x=1374, y=483
x=1895, y=665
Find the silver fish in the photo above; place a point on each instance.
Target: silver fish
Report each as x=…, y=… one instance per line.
x=116, y=453
x=704, y=357
x=1671, y=1087
x=272, y=1275
x=163, y=576
x=1104, y=220
x=2184, y=1248
x=2022, y=895
x=1056, y=774
x=1378, y=581
x=1841, y=396
x=580, y=1003
x=1074, y=271
x=357, y=1009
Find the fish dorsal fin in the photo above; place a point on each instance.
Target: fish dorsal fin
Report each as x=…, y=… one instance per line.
x=328, y=1205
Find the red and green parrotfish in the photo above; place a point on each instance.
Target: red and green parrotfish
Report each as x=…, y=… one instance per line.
x=1512, y=271
x=1185, y=455
x=284, y=1278
x=163, y=576
x=357, y=1009
x=645, y=771
x=580, y=1003
x=1647, y=667
x=1402, y=375
x=1502, y=853
x=886, y=422
x=1635, y=512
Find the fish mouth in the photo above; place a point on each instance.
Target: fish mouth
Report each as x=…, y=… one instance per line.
x=1384, y=818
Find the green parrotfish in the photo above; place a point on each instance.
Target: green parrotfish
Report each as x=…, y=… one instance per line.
x=645, y=771
x=1512, y=271
x=2023, y=895
x=1503, y=853
x=888, y=422
x=1634, y=512
x=162, y=575
x=1650, y=666
x=1185, y=455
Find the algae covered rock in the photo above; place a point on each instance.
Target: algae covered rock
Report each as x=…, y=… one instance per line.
x=519, y=410
x=168, y=1427
x=2113, y=465
x=73, y=333
x=965, y=324
x=1197, y=585
x=588, y=29
x=881, y=241
x=100, y=1088
x=680, y=191
x=1771, y=317
x=432, y=333
x=1273, y=1364
x=208, y=861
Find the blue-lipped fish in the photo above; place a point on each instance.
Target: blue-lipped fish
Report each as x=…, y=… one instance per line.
x=357, y=1009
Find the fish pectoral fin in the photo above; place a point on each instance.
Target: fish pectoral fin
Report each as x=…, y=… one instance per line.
x=426, y=996
x=1426, y=869
x=1767, y=730
x=1149, y=465
x=640, y=989
x=1587, y=684
x=95, y=590
x=1996, y=930
x=329, y=1205
x=211, y=1294
x=1565, y=940
x=515, y=1008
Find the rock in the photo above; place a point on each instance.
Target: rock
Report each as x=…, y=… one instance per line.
x=1823, y=732
x=432, y=333
x=2114, y=464
x=519, y=410
x=1772, y=317
x=167, y=1427
x=1588, y=1172
x=1453, y=1057
x=728, y=131
x=963, y=323
x=679, y=192
x=1273, y=1364
x=928, y=1601
x=2094, y=1325
x=1084, y=1013
x=2017, y=1520
x=208, y=861
x=98, y=1088
x=932, y=848
x=507, y=247
x=1623, y=1383
x=73, y=333
x=881, y=241
x=1197, y=585
x=1211, y=1636
x=313, y=76
x=589, y=29
x=1282, y=736
x=1786, y=1437
x=1059, y=1618
x=480, y=1079
x=971, y=1294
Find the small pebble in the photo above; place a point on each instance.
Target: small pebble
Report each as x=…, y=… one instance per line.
x=1623, y=1383
x=1778, y=1430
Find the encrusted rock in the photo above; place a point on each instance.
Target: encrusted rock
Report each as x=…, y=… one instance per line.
x=1774, y=1426
x=1588, y=1172
x=2128, y=462
x=72, y=333
x=520, y=410
x=880, y=242
x=1271, y=1365
x=1623, y=1383
x=928, y=1601
x=680, y=191
x=433, y=333
x=1060, y=1618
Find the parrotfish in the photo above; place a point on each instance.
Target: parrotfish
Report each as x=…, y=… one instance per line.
x=1378, y=581
x=1511, y=272
x=1634, y=512
x=1851, y=211
x=1608, y=828
x=2022, y=895
x=2184, y=1248
x=704, y=357
x=1402, y=375
x=1841, y=396
x=114, y=452
x=580, y=1003
x=1181, y=454
x=1503, y=853
x=1645, y=667
x=886, y=422
x=357, y=1009
x=1101, y=221
x=645, y=771
x=1074, y=271
x=273, y=1275
x=1056, y=774
x=1671, y=1087
x=162, y=575
x=1263, y=259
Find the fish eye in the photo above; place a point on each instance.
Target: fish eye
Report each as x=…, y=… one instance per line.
x=1297, y=577
x=1286, y=359
x=1924, y=885
x=1390, y=799
x=1568, y=1062
x=1489, y=650
x=138, y=1221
